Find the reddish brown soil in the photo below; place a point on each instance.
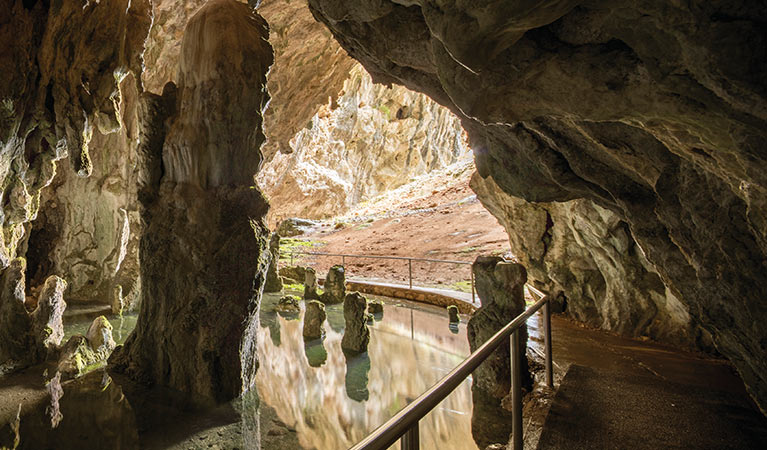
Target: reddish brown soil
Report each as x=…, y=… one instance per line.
x=448, y=224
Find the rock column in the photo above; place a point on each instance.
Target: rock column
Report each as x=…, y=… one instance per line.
x=356, y=333
x=204, y=252
x=273, y=281
x=335, y=286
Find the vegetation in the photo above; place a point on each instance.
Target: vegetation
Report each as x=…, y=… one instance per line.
x=288, y=245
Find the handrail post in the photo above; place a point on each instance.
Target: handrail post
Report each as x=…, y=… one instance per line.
x=343, y=261
x=547, y=343
x=410, y=271
x=291, y=257
x=516, y=391
x=410, y=440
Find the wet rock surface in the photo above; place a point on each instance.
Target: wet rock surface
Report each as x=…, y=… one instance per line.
x=310, y=284
x=273, y=281
x=650, y=110
x=335, y=286
x=204, y=252
x=314, y=320
x=356, y=333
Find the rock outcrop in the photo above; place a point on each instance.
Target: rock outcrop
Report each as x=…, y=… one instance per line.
x=500, y=286
x=314, y=320
x=653, y=111
x=273, y=280
x=204, y=251
x=370, y=140
x=356, y=333
x=335, y=286
x=310, y=285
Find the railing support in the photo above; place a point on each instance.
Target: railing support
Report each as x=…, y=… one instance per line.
x=343, y=261
x=547, y=344
x=516, y=392
x=410, y=440
x=410, y=271
x=473, y=295
x=291, y=257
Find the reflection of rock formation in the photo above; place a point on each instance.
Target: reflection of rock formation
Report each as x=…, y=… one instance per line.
x=204, y=251
x=326, y=418
x=356, y=380
x=315, y=351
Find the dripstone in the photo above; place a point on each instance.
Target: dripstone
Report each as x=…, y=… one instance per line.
x=314, y=320
x=356, y=333
x=335, y=286
x=310, y=284
x=273, y=281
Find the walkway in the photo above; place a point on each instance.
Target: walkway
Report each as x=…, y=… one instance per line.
x=622, y=393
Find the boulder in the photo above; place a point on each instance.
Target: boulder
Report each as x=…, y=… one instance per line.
x=295, y=226
x=335, y=286
x=310, y=284
x=314, y=320
x=375, y=307
x=452, y=313
x=288, y=304
x=273, y=281
x=356, y=333
x=293, y=274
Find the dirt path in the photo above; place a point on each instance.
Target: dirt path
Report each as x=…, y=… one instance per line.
x=425, y=219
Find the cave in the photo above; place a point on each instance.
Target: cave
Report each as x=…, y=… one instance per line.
x=187, y=173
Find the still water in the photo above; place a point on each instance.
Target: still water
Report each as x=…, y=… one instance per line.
x=334, y=402
x=327, y=400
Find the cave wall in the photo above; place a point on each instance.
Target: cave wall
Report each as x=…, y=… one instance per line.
x=372, y=139
x=654, y=111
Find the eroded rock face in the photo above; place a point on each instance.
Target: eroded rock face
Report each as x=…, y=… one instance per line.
x=314, y=320
x=653, y=111
x=356, y=333
x=273, y=281
x=204, y=252
x=335, y=286
x=372, y=139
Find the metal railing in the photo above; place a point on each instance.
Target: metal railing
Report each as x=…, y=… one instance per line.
x=409, y=260
x=404, y=425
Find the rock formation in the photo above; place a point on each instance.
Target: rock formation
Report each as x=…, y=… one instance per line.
x=452, y=314
x=500, y=286
x=356, y=333
x=652, y=111
x=288, y=304
x=273, y=281
x=310, y=285
x=335, y=286
x=314, y=320
x=375, y=307
x=47, y=318
x=204, y=249
x=293, y=274
x=82, y=354
x=371, y=140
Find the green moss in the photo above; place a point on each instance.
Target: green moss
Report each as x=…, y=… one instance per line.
x=462, y=286
x=293, y=287
x=288, y=245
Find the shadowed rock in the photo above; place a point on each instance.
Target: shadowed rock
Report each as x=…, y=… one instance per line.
x=452, y=314
x=356, y=333
x=335, y=286
x=273, y=280
x=47, y=319
x=16, y=341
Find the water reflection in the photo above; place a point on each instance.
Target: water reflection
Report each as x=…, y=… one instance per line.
x=335, y=404
x=315, y=352
x=121, y=326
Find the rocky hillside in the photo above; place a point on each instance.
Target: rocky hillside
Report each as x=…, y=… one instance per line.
x=371, y=140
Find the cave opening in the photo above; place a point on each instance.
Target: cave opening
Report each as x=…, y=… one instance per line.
x=268, y=206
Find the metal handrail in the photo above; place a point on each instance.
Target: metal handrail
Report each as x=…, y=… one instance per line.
x=404, y=424
x=399, y=258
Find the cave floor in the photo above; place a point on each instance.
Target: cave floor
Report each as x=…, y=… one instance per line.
x=627, y=393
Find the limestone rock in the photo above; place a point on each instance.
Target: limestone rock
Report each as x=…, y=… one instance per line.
x=47, y=319
x=293, y=274
x=371, y=140
x=335, y=286
x=585, y=101
x=500, y=286
x=273, y=281
x=99, y=336
x=310, y=284
x=452, y=313
x=356, y=333
x=314, y=320
x=288, y=304
x=16, y=341
x=204, y=251
x=375, y=307
x=294, y=226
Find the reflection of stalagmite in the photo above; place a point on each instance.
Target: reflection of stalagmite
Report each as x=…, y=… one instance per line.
x=356, y=381
x=315, y=352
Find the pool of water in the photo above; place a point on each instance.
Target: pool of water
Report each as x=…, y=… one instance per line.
x=333, y=402
x=121, y=326
x=329, y=401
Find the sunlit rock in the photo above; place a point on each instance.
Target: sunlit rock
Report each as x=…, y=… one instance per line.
x=335, y=286
x=310, y=284
x=356, y=333
x=314, y=320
